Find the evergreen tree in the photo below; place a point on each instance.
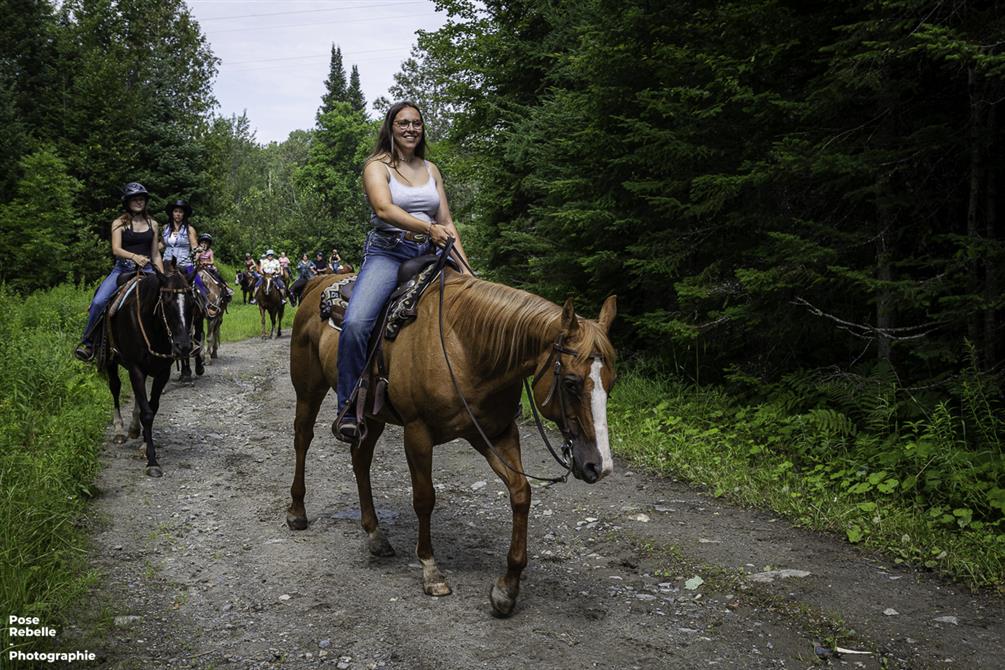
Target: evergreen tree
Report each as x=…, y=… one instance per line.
x=336, y=88
x=355, y=96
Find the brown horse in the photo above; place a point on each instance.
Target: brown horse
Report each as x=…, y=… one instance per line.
x=270, y=300
x=216, y=304
x=495, y=338
x=151, y=328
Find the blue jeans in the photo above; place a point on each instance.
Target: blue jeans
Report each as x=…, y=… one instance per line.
x=277, y=280
x=105, y=293
x=378, y=277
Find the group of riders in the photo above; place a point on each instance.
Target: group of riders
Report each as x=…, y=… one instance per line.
x=279, y=268
x=138, y=247
x=410, y=217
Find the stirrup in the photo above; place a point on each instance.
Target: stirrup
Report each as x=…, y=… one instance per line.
x=347, y=431
x=84, y=352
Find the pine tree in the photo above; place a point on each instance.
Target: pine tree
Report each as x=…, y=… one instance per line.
x=336, y=88
x=355, y=96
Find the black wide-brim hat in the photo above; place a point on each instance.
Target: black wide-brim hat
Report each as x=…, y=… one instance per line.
x=178, y=203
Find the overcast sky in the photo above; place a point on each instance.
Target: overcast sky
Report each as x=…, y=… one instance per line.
x=275, y=53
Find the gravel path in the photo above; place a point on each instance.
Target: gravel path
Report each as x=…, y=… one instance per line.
x=199, y=570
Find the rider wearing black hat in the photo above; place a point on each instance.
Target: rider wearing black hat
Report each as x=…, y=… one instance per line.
x=205, y=260
x=134, y=246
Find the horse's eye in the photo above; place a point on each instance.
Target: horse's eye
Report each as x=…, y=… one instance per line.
x=572, y=385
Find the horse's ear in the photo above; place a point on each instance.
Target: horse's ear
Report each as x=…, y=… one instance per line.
x=607, y=312
x=569, y=321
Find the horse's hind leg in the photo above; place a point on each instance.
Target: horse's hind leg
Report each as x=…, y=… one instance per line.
x=261, y=311
x=362, y=457
x=506, y=588
x=419, y=452
x=186, y=371
x=115, y=386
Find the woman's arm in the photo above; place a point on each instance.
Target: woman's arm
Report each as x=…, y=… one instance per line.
x=444, y=218
x=378, y=192
x=155, y=252
x=193, y=242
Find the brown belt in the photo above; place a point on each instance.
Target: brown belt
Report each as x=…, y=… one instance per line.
x=415, y=237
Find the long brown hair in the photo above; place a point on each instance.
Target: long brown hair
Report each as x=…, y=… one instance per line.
x=385, y=138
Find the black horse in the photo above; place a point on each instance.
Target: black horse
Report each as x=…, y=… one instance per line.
x=246, y=281
x=146, y=331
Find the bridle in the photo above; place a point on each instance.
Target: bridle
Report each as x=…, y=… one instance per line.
x=558, y=349
x=159, y=307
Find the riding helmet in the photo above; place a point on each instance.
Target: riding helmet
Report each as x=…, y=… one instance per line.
x=205, y=237
x=270, y=252
x=171, y=206
x=133, y=189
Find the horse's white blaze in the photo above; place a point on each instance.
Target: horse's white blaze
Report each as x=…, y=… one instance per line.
x=598, y=404
x=181, y=312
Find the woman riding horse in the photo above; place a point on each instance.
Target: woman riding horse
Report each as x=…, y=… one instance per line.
x=179, y=241
x=463, y=381
x=134, y=246
x=410, y=217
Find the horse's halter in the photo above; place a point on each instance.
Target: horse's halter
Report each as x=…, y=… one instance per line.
x=159, y=307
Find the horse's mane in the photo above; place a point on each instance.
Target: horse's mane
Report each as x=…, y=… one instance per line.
x=511, y=325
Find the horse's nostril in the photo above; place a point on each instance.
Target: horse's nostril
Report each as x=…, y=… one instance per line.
x=592, y=471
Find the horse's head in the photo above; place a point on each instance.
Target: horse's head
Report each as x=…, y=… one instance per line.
x=178, y=308
x=571, y=385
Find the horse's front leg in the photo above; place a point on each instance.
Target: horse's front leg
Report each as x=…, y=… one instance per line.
x=419, y=452
x=146, y=413
x=115, y=386
x=200, y=339
x=261, y=311
x=279, y=331
x=362, y=457
x=310, y=395
x=506, y=588
x=186, y=371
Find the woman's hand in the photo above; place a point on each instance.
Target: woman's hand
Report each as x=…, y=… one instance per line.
x=439, y=235
x=141, y=260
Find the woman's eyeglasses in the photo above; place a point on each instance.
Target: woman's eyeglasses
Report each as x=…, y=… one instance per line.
x=403, y=125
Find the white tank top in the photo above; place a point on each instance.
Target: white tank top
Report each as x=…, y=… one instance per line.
x=422, y=202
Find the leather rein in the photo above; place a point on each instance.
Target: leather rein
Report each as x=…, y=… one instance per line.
x=160, y=307
x=558, y=349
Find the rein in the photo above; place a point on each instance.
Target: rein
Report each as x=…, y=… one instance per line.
x=557, y=350
x=160, y=307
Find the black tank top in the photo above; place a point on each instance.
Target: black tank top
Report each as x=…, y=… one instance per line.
x=137, y=243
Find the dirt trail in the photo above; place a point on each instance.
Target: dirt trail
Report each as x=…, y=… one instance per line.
x=199, y=569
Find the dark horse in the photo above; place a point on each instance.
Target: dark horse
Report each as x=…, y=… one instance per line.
x=496, y=337
x=148, y=329
x=270, y=300
x=246, y=281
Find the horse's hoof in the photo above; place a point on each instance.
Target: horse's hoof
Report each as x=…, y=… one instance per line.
x=296, y=521
x=184, y=379
x=213, y=355
x=200, y=369
x=119, y=438
x=502, y=604
x=437, y=589
x=378, y=545
x=135, y=435
x=154, y=471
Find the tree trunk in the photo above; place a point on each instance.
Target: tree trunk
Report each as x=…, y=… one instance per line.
x=973, y=204
x=990, y=259
x=884, y=300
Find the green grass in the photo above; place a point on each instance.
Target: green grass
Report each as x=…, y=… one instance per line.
x=244, y=321
x=53, y=416
x=807, y=470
